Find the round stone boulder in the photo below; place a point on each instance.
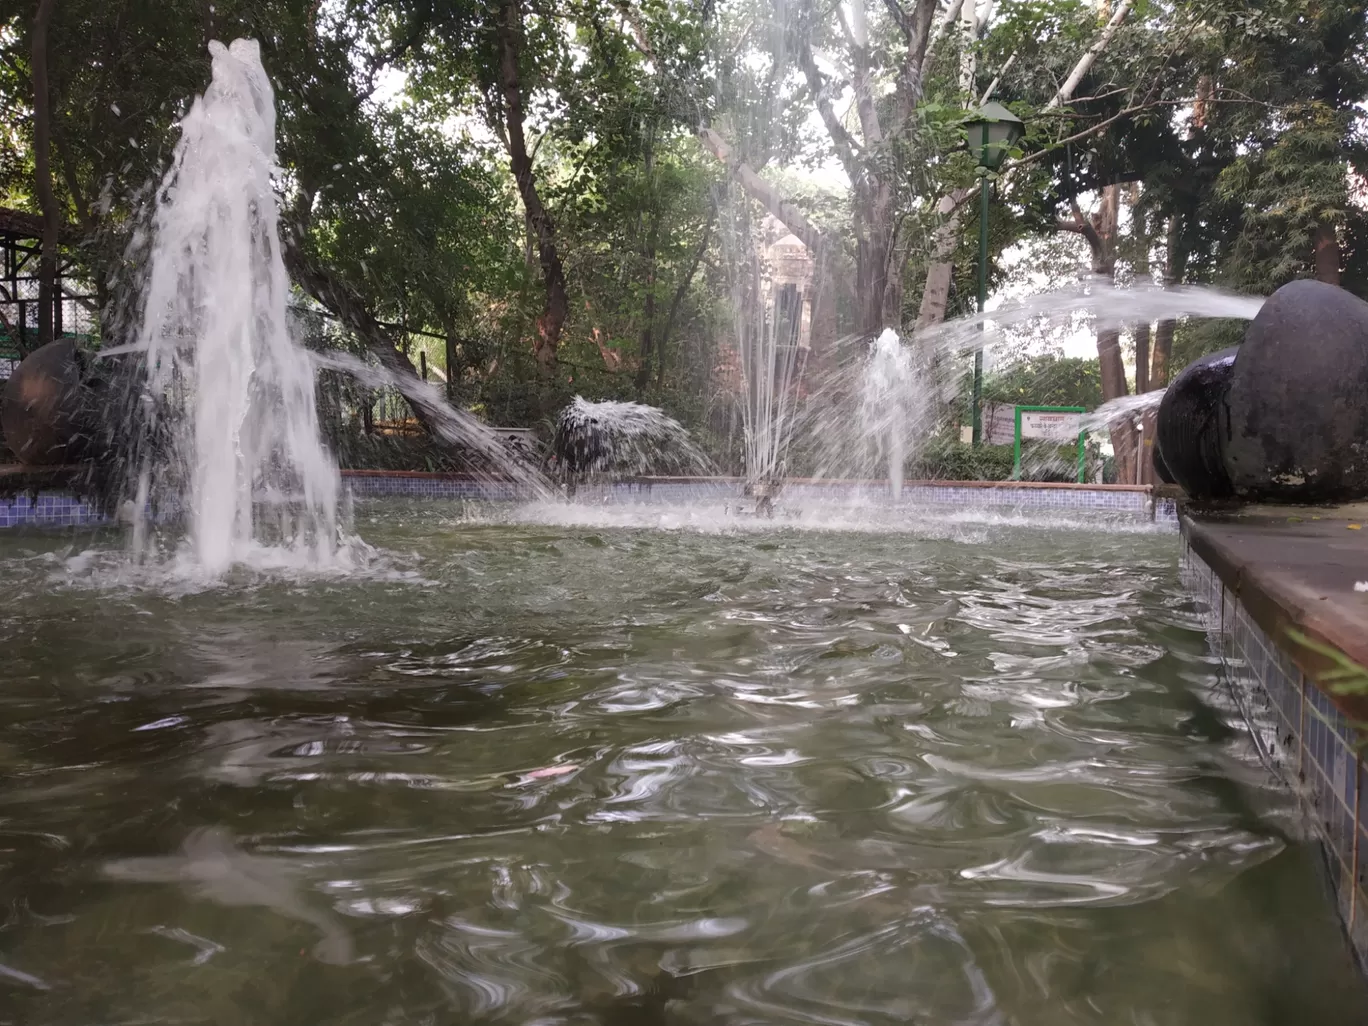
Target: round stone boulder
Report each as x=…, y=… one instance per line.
x=1161, y=470
x=46, y=410
x=1190, y=424
x=1298, y=399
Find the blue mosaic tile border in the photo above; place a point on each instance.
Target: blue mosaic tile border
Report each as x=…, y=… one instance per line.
x=1135, y=502
x=48, y=509
x=1301, y=736
x=55, y=509
x=377, y=486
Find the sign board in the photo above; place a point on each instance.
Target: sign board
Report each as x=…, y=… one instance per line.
x=998, y=421
x=1051, y=426
x=1059, y=424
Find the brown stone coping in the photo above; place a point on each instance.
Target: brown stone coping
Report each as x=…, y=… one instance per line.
x=1295, y=572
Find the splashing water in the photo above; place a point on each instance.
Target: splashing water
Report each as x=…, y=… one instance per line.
x=1126, y=407
x=494, y=459
x=1110, y=307
x=771, y=291
x=865, y=418
x=246, y=463
x=623, y=439
x=888, y=397
x=869, y=426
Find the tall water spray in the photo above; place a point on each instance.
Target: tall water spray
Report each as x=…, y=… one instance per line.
x=889, y=396
x=246, y=456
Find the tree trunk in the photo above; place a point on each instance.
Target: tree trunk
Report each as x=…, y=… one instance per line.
x=1327, y=253
x=1113, y=367
x=452, y=371
x=557, y=308
x=42, y=166
x=893, y=292
x=1141, y=241
x=1100, y=231
x=648, y=312
x=1163, y=334
x=1142, y=358
x=648, y=253
x=1160, y=352
x=873, y=250
x=677, y=300
x=941, y=270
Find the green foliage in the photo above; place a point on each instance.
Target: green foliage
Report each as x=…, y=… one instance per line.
x=1345, y=677
x=1195, y=339
x=948, y=459
x=409, y=201
x=1046, y=380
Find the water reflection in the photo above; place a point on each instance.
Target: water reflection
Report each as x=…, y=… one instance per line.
x=211, y=866
x=621, y=776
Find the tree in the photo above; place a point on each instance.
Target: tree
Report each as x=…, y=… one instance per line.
x=42, y=170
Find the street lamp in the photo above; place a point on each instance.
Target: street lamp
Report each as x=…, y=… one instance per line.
x=993, y=130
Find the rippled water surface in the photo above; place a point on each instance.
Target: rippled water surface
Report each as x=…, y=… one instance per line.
x=577, y=769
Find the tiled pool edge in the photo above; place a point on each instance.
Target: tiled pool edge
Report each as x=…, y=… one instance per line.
x=49, y=509
x=1136, y=501
x=1301, y=736
x=59, y=509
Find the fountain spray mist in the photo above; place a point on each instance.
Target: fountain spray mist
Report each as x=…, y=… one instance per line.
x=247, y=465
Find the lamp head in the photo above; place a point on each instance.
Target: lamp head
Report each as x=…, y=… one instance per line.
x=993, y=130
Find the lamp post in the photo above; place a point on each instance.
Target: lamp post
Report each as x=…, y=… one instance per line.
x=993, y=130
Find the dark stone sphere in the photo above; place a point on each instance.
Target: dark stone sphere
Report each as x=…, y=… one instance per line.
x=1161, y=469
x=45, y=410
x=1190, y=425
x=1298, y=401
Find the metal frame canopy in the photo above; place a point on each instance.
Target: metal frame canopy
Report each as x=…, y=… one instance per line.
x=20, y=252
x=1016, y=437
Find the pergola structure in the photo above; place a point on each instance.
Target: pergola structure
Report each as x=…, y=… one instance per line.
x=73, y=310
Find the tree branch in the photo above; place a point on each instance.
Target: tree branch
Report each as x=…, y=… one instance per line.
x=997, y=79
x=942, y=30
x=846, y=147
x=557, y=306
x=1083, y=226
x=1089, y=58
x=346, y=304
x=765, y=193
x=916, y=30
x=863, y=82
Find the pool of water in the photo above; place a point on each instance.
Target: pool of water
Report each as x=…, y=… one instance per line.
x=648, y=767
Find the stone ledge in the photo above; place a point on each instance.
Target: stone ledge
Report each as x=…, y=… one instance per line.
x=1295, y=572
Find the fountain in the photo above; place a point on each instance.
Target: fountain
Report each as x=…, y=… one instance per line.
x=1281, y=417
x=620, y=439
x=246, y=460
x=771, y=291
x=209, y=413
x=885, y=770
